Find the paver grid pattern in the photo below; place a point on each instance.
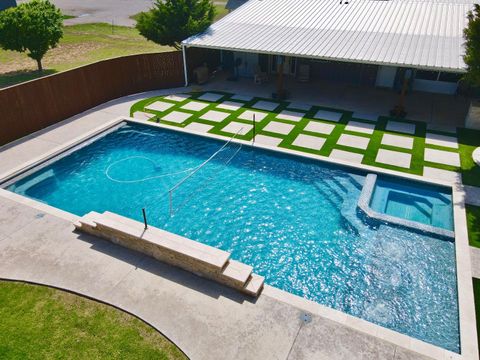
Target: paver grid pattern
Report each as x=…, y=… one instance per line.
x=312, y=129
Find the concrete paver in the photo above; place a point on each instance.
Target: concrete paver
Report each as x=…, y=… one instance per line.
x=265, y=105
x=290, y=115
x=278, y=127
x=237, y=127
x=398, y=141
x=360, y=127
x=346, y=155
x=442, y=157
x=354, y=141
x=309, y=142
x=176, y=117
x=441, y=140
x=401, y=127
x=328, y=115
x=159, y=106
x=394, y=158
x=319, y=127
x=210, y=97
x=216, y=116
x=194, y=106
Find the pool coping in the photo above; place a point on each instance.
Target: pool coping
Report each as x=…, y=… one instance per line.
x=364, y=205
x=467, y=324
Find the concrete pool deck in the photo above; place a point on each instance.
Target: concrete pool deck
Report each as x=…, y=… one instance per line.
x=42, y=248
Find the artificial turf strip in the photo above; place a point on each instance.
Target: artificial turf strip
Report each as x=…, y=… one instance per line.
x=417, y=160
x=473, y=225
x=469, y=140
x=38, y=322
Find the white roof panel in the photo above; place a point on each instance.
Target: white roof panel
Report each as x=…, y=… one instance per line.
x=417, y=33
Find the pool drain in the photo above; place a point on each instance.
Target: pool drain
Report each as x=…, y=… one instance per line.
x=306, y=318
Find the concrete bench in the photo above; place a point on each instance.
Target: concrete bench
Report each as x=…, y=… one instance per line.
x=193, y=256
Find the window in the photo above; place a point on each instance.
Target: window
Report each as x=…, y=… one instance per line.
x=450, y=77
x=426, y=75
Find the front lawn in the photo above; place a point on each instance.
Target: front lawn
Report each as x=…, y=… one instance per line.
x=38, y=322
x=80, y=45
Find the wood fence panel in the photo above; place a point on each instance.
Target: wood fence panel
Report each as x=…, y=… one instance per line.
x=34, y=105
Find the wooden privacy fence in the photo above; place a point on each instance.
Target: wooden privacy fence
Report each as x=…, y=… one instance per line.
x=34, y=105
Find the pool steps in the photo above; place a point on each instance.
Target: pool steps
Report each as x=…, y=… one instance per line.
x=342, y=187
x=193, y=256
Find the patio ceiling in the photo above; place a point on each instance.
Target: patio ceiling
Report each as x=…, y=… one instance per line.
x=421, y=34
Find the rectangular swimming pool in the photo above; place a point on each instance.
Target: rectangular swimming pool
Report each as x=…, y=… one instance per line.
x=294, y=220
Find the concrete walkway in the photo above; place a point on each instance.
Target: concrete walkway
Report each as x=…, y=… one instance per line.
x=206, y=320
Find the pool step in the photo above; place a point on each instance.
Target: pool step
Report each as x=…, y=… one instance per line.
x=237, y=272
x=196, y=257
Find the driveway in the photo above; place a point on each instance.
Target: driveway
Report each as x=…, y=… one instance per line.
x=105, y=11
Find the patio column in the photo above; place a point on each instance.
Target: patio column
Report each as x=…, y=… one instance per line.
x=185, y=71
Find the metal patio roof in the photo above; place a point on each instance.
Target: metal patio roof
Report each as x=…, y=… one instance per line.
x=413, y=33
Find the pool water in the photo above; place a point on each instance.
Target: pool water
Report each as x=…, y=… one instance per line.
x=421, y=203
x=294, y=220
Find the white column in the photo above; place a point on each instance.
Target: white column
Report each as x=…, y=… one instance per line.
x=184, y=52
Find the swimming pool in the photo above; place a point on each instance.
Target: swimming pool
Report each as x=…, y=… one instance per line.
x=294, y=220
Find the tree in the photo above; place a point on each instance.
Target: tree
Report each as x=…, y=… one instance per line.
x=171, y=21
x=472, y=47
x=33, y=27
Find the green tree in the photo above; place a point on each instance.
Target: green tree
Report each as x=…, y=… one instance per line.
x=172, y=21
x=33, y=27
x=472, y=47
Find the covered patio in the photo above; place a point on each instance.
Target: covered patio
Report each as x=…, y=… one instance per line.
x=322, y=53
x=439, y=111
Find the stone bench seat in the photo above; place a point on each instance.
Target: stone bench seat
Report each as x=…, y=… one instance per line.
x=201, y=259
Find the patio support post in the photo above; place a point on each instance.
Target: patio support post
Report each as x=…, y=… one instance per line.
x=185, y=71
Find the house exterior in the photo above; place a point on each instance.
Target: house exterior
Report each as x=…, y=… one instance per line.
x=5, y=4
x=366, y=42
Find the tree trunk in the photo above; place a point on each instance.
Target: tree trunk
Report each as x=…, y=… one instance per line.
x=39, y=64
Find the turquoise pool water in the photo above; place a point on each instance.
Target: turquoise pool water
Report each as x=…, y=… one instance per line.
x=420, y=203
x=294, y=220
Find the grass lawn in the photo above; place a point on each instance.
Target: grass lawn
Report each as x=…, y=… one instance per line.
x=39, y=322
x=368, y=153
x=80, y=45
x=473, y=223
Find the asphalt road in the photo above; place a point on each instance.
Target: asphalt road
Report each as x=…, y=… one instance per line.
x=107, y=11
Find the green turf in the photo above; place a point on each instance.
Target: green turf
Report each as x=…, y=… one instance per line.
x=80, y=45
x=469, y=140
x=473, y=223
x=42, y=323
x=370, y=154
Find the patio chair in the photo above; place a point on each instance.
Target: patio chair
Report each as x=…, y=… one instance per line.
x=260, y=76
